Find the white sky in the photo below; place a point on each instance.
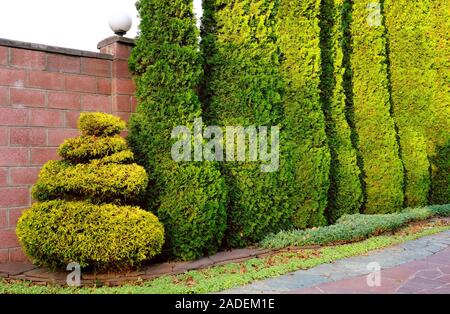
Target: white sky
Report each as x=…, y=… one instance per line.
x=78, y=24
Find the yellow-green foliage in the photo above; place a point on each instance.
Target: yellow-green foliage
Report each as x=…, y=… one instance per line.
x=109, y=182
x=413, y=83
x=439, y=125
x=79, y=217
x=376, y=136
x=105, y=236
x=100, y=124
x=87, y=147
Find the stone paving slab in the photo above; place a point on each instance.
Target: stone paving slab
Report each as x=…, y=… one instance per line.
x=417, y=266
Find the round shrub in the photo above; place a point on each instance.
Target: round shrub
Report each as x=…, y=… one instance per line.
x=55, y=233
x=85, y=214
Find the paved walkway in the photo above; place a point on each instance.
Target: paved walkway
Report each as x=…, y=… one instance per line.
x=418, y=266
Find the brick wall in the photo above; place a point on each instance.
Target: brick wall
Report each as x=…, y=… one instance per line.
x=43, y=89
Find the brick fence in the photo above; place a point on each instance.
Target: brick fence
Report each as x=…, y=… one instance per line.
x=43, y=89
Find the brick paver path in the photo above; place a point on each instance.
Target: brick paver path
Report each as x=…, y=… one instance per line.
x=418, y=266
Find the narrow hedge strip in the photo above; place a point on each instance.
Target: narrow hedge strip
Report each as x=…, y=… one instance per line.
x=353, y=228
x=243, y=88
x=376, y=136
x=413, y=87
x=188, y=197
x=439, y=126
x=123, y=184
x=345, y=193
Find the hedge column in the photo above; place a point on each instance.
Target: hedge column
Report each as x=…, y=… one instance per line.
x=439, y=127
x=413, y=86
x=375, y=129
x=188, y=197
x=345, y=194
x=243, y=88
x=298, y=36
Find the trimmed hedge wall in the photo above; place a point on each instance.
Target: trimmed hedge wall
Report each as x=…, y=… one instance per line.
x=376, y=135
x=345, y=193
x=439, y=127
x=188, y=197
x=243, y=88
x=305, y=141
x=412, y=79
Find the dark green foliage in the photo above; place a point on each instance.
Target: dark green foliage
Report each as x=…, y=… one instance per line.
x=439, y=125
x=412, y=79
x=78, y=218
x=345, y=194
x=188, y=197
x=351, y=228
x=376, y=135
x=305, y=141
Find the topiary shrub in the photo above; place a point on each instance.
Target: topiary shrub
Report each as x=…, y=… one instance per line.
x=188, y=197
x=83, y=214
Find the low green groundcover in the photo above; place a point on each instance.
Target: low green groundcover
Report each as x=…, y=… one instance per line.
x=353, y=227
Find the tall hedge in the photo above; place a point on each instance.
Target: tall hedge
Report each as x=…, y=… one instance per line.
x=345, y=193
x=413, y=86
x=188, y=197
x=242, y=88
x=308, y=156
x=439, y=126
x=371, y=116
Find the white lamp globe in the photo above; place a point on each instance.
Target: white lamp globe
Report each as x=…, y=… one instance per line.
x=120, y=23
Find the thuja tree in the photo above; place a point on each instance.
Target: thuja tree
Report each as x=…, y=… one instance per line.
x=345, y=193
x=374, y=125
x=188, y=197
x=243, y=87
x=439, y=126
x=308, y=156
x=413, y=86
x=86, y=203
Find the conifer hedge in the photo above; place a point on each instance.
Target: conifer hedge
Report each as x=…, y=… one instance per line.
x=439, y=126
x=243, y=88
x=413, y=86
x=188, y=197
x=305, y=141
x=345, y=193
x=376, y=135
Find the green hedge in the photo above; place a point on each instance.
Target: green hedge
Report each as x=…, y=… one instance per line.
x=439, y=126
x=76, y=220
x=104, y=237
x=188, y=197
x=308, y=155
x=376, y=135
x=345, y=193
x=242, y=88
x=353, y=228
x=412, y=79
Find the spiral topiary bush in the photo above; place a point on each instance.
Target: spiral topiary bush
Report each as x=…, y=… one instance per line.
x=85, y=211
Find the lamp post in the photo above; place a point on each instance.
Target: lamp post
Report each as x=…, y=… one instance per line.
x=120, y=23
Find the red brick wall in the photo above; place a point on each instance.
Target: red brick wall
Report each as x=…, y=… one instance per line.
x=42, y=92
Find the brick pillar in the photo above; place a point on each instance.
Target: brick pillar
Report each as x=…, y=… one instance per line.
x=122, y=93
